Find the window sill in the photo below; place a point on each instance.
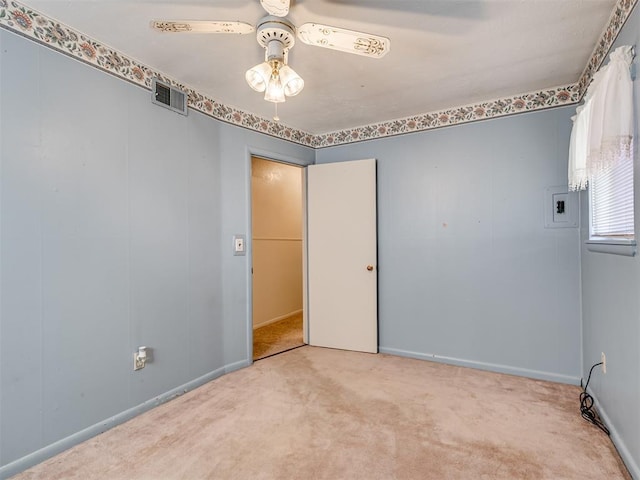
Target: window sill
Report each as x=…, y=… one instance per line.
x=612, y=245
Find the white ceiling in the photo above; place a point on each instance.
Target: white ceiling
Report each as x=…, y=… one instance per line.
x=444, y=53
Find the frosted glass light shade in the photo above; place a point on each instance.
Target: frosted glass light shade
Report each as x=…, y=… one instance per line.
x=274, y=92
x=258, y=76
x=291, y=81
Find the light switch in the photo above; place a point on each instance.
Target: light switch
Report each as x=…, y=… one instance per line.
x=239, y=245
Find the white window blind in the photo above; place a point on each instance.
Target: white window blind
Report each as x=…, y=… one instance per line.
x=611, y=198
x=601, y=154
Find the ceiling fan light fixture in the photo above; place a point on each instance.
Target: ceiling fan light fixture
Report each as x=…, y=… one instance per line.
x=292, y=83
x=277, y=35
x=259, y=76
x=274, y=92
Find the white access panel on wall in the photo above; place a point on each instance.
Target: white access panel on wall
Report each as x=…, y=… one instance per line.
x=561, y=208
x=342, y=255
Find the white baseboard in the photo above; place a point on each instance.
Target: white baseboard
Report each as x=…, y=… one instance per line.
x=492, y=367
x=277, y=319
x=619, y=443
x=60, y=446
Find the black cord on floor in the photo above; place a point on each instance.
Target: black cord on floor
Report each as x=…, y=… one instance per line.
x=586, y=405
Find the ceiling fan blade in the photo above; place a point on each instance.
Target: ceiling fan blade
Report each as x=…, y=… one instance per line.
x=279, y=8
x=344, y=40
x=201, y=26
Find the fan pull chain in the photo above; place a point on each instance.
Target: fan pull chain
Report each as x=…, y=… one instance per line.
x=276, y=118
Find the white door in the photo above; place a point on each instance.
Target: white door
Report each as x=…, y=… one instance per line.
x=342, y=251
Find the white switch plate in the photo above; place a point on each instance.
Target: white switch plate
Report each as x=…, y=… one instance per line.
x=552, y=217
x=239, y=245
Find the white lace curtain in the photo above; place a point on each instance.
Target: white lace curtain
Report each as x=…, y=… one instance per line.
x=602, y=133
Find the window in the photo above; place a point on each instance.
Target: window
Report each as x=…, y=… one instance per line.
x=601, y=155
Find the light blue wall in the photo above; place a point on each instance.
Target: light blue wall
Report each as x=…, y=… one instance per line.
x=468, y=273
x=236, y=147
x=116, y=219
x=611, y=312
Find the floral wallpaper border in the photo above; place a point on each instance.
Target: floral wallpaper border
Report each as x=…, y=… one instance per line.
x=31, y=24
x=527, y=102
x=619, y=15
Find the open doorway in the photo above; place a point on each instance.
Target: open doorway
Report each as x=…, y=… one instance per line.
x=277, y=220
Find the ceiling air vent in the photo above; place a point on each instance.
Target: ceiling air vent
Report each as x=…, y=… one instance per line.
x=168, y=97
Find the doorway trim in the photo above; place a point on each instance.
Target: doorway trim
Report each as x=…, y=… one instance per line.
x=287, y=160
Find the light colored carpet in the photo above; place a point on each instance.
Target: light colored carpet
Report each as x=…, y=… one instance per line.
x=277, y=337
x=314, y=413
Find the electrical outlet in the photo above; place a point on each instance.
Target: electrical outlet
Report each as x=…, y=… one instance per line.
x=140, y=358
x=603, y=359
x=138, y=363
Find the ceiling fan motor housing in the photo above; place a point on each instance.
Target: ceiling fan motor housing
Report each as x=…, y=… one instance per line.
x=276, y=35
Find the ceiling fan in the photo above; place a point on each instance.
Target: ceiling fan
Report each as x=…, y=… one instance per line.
x=276, y=34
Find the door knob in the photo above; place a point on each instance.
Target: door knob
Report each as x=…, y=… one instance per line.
x=370, y=268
